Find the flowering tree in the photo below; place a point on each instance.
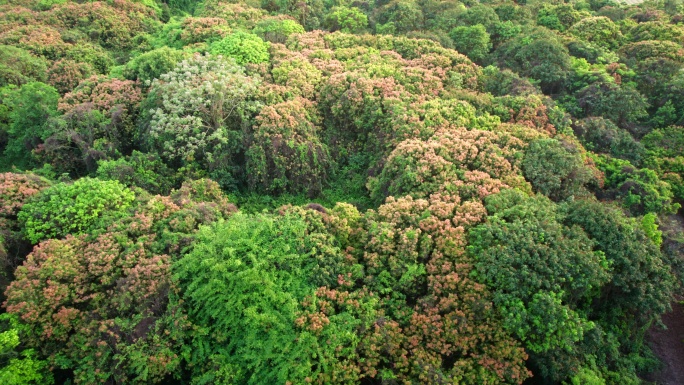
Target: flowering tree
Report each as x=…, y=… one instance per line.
x=15, y=191
x=286, y=153
x=453, y=160
x=195, y=111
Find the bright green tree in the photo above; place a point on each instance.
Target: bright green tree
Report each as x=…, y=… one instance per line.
x=73, y=208
x=243, y=286
x=18, y=365
x=243, y=47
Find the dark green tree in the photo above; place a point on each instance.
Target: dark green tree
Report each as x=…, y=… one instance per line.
x=30, y=107
x=472, y=41
x=538, y=54
x=556, y=169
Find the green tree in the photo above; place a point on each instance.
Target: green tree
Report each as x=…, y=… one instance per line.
x=635, y=52
x=182, y=5
x=543, y=275
x=79, y=139
x=665, y=142
x=599, y=30
x=145, y=171
x=622, y=104
x=479, y=14
x=243, y=288
x=399, y=16
x=472, y=41
x=347, y=20
x=243, y=47
x=18, y=365
x=602, y=135
x=308, y=13
x=277, y=30
x=29, y=107
x=538, y=54
x=644, y=192
x=18, y=66
x=92, y=54
x=641, y=285
x=150, y=65
x=558, y=17
x=73, y=208
x=555, y=169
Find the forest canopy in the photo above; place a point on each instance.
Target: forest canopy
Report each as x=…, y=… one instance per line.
x=333, y=192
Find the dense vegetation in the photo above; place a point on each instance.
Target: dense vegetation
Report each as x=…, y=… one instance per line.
x=338, y=192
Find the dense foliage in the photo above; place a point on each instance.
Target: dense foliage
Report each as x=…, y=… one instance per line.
x=329, y=192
